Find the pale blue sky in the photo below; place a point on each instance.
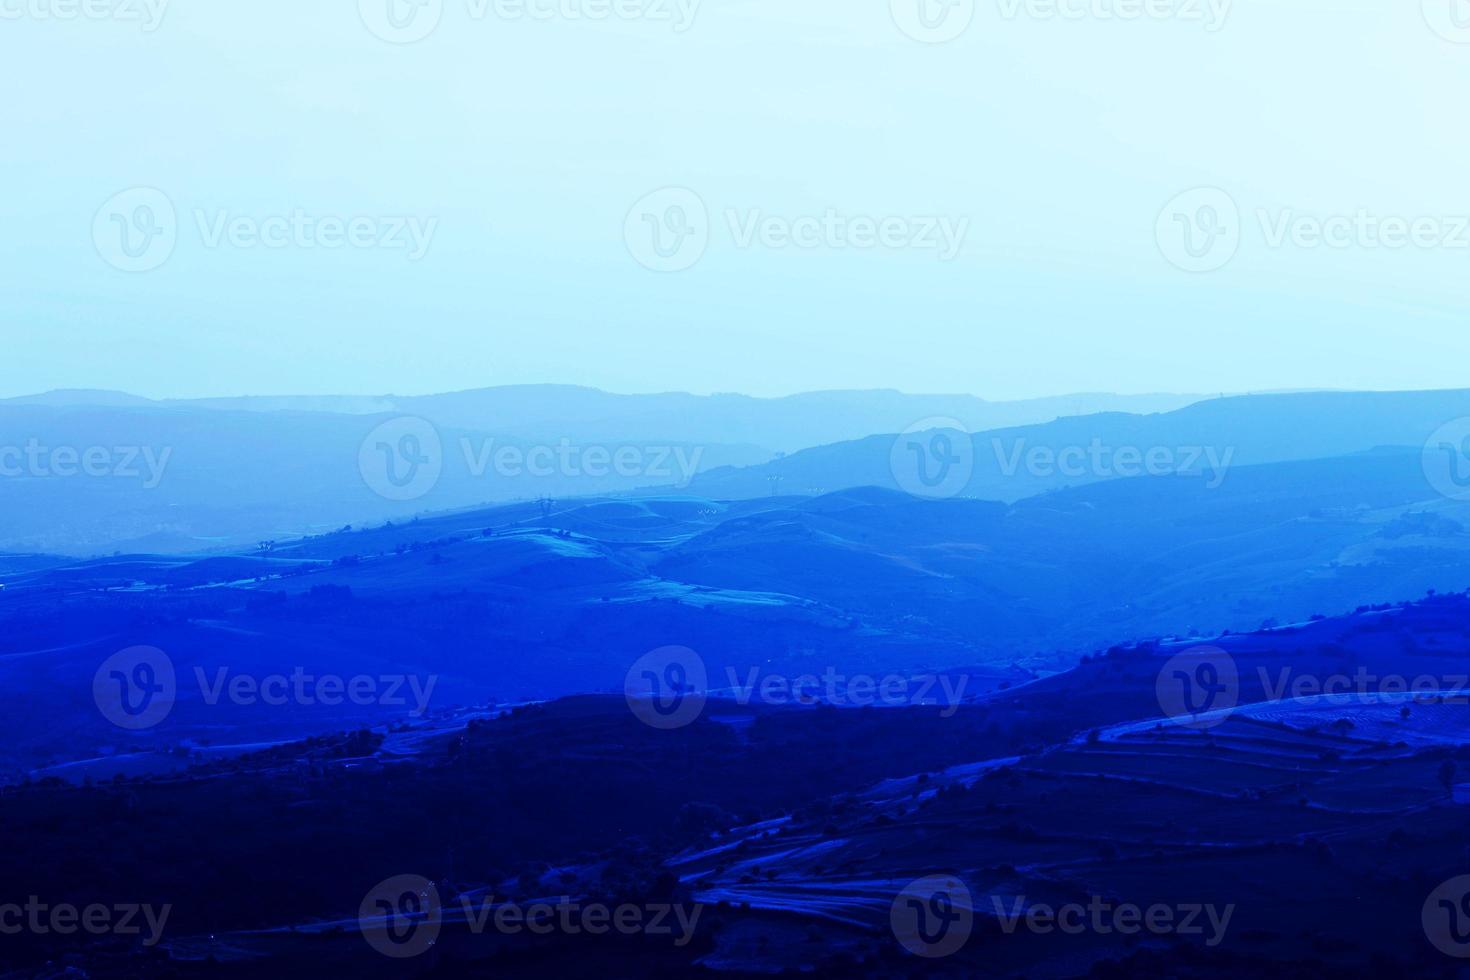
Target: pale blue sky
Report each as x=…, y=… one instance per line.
x=524, y=143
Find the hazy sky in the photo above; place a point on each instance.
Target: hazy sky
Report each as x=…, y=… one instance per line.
x=318, y=209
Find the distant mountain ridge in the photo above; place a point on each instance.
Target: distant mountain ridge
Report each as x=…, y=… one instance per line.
x=1013, y=463
x=538, y=412
x=221, y=476
x=183, y=475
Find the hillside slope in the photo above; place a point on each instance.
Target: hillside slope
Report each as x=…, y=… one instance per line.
x=507, y=605
x=1209, y=437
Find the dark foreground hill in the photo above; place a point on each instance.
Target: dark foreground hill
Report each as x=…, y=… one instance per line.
x=1076, y=826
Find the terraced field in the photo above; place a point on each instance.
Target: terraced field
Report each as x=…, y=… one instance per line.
x=1355, y=724
x=1283, y=812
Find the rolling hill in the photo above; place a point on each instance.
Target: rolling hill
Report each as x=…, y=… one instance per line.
x=87, y=472
x=1298, y=836
x=1209, y=437
x=511, y=604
